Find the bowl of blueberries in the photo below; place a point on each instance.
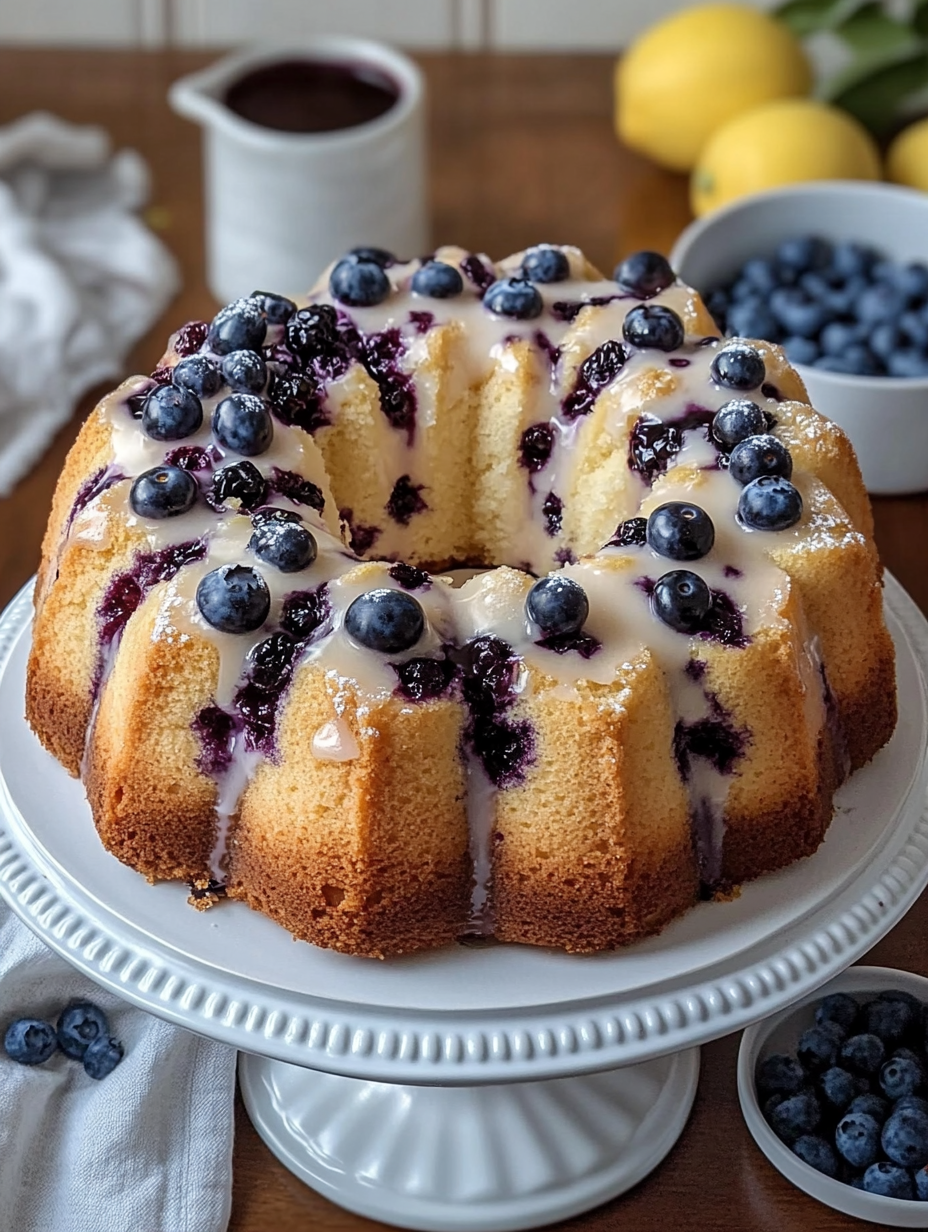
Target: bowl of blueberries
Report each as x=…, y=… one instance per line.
x=836, y=273
x=835, y=1093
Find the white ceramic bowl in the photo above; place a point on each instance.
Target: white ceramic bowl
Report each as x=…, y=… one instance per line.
x=885, y=417
x=780, y=1033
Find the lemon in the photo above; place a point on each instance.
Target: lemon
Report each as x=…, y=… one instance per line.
x=689, y=74
x=781, y=143
x=907, y=157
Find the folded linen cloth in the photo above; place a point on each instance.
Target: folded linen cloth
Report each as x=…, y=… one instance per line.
x=146, y=1149
x=81, y=277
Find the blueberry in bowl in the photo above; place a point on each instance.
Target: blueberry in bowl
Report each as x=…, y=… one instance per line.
x=834, y=1093
x=835, y=273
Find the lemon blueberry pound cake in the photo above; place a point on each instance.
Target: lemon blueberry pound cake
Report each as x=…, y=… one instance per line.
x=673, y=654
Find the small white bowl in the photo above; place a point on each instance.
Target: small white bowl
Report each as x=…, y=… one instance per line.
x=780, y=1033
x=886, y=418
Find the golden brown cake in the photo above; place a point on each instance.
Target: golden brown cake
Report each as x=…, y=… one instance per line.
x=670, y=655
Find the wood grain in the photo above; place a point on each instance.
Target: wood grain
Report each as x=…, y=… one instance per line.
x=522, y=151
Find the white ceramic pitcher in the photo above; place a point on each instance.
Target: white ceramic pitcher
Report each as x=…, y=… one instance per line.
x=280, y=205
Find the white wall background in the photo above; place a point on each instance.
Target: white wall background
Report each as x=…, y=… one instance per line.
x=504, y=25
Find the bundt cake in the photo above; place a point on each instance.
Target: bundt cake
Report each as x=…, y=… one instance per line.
x=671, y=653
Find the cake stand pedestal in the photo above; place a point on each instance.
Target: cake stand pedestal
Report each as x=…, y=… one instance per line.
x=487, y=1088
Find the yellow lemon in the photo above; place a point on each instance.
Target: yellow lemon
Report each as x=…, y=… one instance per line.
x=689, y=74
x=907, y=158
x=781, y=143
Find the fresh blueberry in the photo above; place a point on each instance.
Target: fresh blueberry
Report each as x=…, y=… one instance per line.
x=798, y=1114
x=277, y=309
x=737, y=420
x=856, y=361
x=760, y=455
x=912, y=280
x=313, y=331
x=545, y=263
x=863, y=1053
x=234, y=599
x=682, y=600
x=437, y=280
x=557, y=605
x=739, y=366
x=839, y=1088
x=800, y=350
x=680, y=531
x=884, y=339
x=849, y=260
x=243, y=424
x=805, y=252
x=892, y=1021
x=514, y=297
x=245, y=372
x=889, y=1181
x=170, y=413
x=753, y=320
x=237, y=486
x=817, y=1153
x=879, y=302
x=857, y=1138
x=163, y=492
x=286, y=546
x=779, y=1075
x=905, y=1138
x=78, y=1026
x=874, y=1105
x=907, y=364
x=760, y=274
x=240, y=326
x=30, y=1041
x=769, y=503
x=816, y=284
x=644, y=274
x=654, y=327
x=718, y=306
x=369, y=252
x=837, y=336
x=818, y=1046
x=359, y=283
x=797, y=312
x=838, y=1007
x=902, y=1076
x=918, y=1103
x=199, y=374
x=921, y=1184
x=385, y=620
x=914, y=330
x=102, y=1056
x=842, y=300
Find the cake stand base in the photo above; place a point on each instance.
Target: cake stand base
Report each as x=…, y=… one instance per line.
x=471, y=1159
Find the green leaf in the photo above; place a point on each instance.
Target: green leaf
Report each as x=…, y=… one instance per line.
x=919, y=17
x=810, y=16
x=875, y=91
x=872, y=32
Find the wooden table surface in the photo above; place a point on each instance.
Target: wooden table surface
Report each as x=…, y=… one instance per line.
x=522, y=151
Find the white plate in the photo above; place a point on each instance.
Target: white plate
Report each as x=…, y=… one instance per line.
x=781, y=1034
x=463, y=1015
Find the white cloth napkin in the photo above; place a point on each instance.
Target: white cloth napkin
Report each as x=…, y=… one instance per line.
x=81, y=277
x=146, y=1149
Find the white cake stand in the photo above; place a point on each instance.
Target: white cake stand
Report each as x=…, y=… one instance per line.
x=469, y=1089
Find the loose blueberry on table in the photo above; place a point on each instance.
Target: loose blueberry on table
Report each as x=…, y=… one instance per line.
x=851, y=1103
